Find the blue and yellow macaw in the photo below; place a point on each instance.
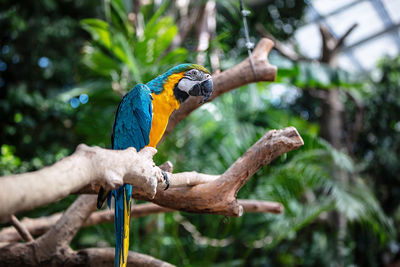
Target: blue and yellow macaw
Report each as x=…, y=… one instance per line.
x=141, y=119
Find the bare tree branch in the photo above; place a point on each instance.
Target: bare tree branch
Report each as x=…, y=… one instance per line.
x=340, y=41
x=18, y=254
x=39, y=226
x=230, y=79
x=69, y=223
x=88, y=165
x=261, y=206
x=219, y=196
x=331, y=44
x=203, y=193
x=328, y=44
x=200, y=239
x=105, y=257
x=21, y=229
x=282, y=48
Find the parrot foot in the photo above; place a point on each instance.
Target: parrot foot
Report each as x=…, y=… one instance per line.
x=166, y=179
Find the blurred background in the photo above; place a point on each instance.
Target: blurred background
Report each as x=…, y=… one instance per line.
x=64, y=66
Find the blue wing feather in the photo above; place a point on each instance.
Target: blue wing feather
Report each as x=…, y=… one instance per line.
x=132, y=123
x=131, y=128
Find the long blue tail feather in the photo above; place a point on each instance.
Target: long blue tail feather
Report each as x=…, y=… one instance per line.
x=122, y=198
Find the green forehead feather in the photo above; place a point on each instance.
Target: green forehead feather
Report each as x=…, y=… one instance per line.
x=198, y=67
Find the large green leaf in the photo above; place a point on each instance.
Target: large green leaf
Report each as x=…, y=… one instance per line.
x=99, y=30
x=157, y=38
x=125, y=54
x=98, y=61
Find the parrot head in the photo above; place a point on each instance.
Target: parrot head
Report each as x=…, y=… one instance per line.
x=185, y=80
x=196, y=81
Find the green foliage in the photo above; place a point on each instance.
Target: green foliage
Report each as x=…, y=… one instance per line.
x=8, y=161
x=116, y=47
x=39, y=58
x=117, y=59
x=306, y=75
x=380, y=140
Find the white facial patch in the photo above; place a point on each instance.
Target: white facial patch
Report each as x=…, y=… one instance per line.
x=186, y=84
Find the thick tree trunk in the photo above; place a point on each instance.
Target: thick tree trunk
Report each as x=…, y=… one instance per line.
x=332, y=118
x=332, y=126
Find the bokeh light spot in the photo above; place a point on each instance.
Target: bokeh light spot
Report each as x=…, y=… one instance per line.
x=44, y=62
x=5, y=49
x=3, y=66
x=74, y=102
x=18, y=117
x=83, y=98
x=15, y=59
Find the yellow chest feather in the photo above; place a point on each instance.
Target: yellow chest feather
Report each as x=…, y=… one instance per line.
x=163, y=105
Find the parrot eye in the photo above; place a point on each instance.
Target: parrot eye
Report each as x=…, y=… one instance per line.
x=193, y=73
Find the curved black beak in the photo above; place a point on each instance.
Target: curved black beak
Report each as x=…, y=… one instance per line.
x=205, y=88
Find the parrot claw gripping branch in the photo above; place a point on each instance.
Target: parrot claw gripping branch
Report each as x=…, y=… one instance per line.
x=92, y=166
x=166, y=179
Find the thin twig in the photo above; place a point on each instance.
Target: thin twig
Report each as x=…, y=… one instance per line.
x=340, y=41
x=21, y=229
x=283, y=49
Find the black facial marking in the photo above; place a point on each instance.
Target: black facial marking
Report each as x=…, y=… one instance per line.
x=180, y=95
x=195, y=90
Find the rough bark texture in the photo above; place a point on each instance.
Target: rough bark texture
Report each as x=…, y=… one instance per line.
x=219, y=195
x=261, y=206
x=87, y=165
